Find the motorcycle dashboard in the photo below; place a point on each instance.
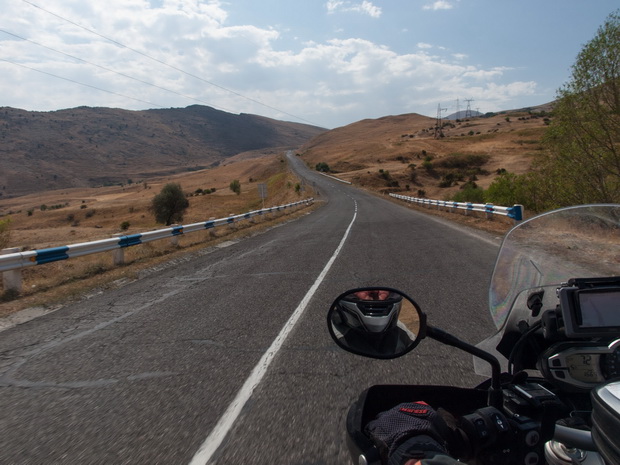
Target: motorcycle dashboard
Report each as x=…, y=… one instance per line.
x=582, y=366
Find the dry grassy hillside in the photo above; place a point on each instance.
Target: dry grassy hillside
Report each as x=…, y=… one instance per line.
x=364, y=151
x=72, y=216
x=75, y=215
x=390, y=154
x=93, y=147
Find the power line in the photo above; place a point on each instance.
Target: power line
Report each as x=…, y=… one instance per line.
x=166, y=64
x=81, y=83
x=111, y=70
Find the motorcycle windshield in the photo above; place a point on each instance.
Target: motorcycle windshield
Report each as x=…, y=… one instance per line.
x=546, y=251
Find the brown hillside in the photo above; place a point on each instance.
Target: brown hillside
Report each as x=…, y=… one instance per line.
x=93, y=147
x=388, y=154
x=84, y=214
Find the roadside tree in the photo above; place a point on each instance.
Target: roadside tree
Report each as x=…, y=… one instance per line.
x=170, y=204
x=235, y=186
x=582, y=163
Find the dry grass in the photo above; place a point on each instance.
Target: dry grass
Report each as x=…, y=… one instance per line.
x=106, y=208
x=359, y=151
x=364, y=151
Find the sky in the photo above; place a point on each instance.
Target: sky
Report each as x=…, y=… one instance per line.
x=323, y=62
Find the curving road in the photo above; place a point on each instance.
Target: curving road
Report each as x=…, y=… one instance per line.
x=195, y=363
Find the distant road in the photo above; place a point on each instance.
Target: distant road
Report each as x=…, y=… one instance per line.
x=143, y=373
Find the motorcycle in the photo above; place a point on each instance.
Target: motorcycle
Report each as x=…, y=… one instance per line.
x=550, y=394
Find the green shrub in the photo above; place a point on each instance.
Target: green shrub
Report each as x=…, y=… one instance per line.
x=322, y=167
x=470, y=192
x=170, y=204
x=235, y=186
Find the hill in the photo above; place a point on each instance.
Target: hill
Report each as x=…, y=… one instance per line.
x=91, y=147
x=401, y=153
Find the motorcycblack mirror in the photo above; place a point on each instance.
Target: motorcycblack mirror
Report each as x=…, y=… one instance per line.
x=377, y=322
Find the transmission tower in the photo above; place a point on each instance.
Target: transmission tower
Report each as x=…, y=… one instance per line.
x=468, y=111
x=438, y=123
x=458, y=109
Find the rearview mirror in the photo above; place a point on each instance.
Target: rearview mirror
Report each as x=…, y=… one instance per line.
x=377, y=322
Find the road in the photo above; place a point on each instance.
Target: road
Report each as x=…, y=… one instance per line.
x=145, y=373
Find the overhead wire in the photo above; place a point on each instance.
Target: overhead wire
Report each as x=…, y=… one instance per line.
x=110, y=70
x=166, y=64
x=80, y=83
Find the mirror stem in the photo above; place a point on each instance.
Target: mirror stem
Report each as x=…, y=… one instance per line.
x=495, y=393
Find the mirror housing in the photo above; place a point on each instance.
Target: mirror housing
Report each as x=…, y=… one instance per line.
x=376, y=322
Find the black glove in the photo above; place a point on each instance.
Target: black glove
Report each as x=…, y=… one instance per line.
x=415, y=426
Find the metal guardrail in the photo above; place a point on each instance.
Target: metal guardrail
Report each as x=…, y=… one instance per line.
x=515, y=212
x=334, y=177
x=13, y=261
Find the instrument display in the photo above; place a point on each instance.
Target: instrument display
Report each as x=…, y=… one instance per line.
x=584, y=366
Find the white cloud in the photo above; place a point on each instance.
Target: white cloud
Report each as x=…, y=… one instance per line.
x=439, y=5
x=330, y=82
x=366, y=7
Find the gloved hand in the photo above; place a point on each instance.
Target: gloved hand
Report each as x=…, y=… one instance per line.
x=410, y=430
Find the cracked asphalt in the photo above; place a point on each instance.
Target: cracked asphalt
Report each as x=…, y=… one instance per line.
x=142, y=373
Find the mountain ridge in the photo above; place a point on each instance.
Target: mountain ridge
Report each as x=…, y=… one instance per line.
x=95, y=146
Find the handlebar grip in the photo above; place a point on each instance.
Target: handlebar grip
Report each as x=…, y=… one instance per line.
x=574, y=437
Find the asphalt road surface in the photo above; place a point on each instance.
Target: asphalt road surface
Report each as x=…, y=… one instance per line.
x=195, y=363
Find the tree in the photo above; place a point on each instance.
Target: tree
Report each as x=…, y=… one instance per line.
x=235, y=186
x=322, y=167
x=582, y=163
x=170, y=204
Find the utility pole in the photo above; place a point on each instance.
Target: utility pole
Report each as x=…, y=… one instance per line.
x=438, y=123
x=468, y=111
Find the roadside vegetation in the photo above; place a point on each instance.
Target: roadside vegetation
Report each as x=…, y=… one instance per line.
x=581, y=160
x=169, y=205
x=556, y=155
x=99, y=213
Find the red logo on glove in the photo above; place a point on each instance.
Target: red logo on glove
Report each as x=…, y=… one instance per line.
x=414, y=411
x=417, y=409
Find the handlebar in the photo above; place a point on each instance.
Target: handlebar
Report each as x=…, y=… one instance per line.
x=574, y=437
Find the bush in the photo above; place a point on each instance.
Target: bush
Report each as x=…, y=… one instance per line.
x=170, y=204
x=462, y=161
x=235, y=186
x=469, y=193
x=323, y=167
x=427, y=165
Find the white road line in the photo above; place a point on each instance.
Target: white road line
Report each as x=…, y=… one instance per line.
x=223, y=426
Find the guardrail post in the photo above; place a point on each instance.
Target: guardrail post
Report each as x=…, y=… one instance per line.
x=176, y=231
x=518, y=213
x=118, y=255
x=11, y=279
x=488, y=209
